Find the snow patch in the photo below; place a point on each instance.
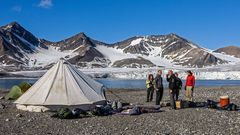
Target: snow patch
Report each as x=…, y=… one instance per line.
x=192, y=45
x=47, y=56
x=136, y=41
x=114, y=54
x=7, y=27
x=229, y=58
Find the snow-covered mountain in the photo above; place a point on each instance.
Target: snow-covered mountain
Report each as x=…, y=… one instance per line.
x=84, y=50
x=161, y=50
x=16, y=43
x=21, y=50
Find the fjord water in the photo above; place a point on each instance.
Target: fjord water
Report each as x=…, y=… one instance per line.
x=7, y=83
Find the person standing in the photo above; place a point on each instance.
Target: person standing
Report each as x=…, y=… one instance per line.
x=171, y=78
x=178, y=85
x=150, y=87
x=159, y=87
x=189, y=87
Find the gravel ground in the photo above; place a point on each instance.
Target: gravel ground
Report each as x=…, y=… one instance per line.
x=183, y=121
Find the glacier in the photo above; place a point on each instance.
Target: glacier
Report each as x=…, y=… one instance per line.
x=142, y=73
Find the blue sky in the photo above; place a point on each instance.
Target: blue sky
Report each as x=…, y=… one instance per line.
x=209, y=23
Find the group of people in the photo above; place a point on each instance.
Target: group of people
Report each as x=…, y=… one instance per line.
x=175, y=85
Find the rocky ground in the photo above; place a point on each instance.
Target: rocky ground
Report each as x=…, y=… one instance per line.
x=183, y=121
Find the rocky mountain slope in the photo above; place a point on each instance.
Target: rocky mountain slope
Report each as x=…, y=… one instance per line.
x=84, y=49
x=171, y=47
x=15, y=43
x=230, y=50
x=22, y=50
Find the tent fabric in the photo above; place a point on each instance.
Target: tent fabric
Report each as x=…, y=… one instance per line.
x=63, y=85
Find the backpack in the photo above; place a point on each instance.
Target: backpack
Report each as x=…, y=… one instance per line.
x=135, y=111
x=119, y=105
x=114, y=105
x=63, y=113
x=101, y=110
x=78, y=112
x=178, y=83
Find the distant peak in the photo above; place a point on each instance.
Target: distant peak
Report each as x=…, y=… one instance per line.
x=233, y=46
x=14, y=23
x=81, y=35
x=174, y=35
x=230, y=47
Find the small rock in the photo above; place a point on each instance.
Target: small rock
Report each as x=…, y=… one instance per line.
x=7, y=120
x=29, y=120
x=2, y=97
x=126, y=129
x=19, y=115
x=2, y=106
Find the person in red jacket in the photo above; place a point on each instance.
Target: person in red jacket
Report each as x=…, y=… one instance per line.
x=189, y=87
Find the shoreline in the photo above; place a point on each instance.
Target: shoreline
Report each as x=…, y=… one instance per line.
x=109, y=78
x=7, y=83
x=183, y=121
x=144, y=89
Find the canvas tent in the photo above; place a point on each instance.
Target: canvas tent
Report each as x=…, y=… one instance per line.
x=62, y=85
x=14, y=93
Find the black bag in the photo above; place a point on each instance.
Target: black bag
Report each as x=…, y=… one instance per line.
x=78, y=113
x=192, y=104
x=185, y=104
x=200, y=104
x=101, y=110
x=96, y=111
x=230, y=107
x=212, y=104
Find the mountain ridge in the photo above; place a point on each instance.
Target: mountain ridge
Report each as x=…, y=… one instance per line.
x=18, y=46
x=230, y=50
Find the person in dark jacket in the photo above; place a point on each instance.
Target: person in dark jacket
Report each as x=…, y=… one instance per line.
x=171, y=78
x=178, y=85
x=159, y=87
x=150, y=87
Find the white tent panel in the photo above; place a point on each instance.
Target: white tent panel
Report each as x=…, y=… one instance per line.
x=63, y=85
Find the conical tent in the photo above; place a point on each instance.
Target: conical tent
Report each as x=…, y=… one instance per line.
x=62, y=85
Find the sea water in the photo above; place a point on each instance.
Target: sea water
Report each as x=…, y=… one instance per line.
x=7, y=83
